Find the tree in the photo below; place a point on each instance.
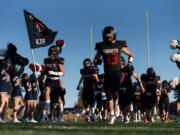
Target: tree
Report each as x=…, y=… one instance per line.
x=79, y=103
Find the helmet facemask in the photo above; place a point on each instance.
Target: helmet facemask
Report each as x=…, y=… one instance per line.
x=87, y=63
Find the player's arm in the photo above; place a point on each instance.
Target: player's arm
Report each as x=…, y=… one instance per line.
x=138, y=80
x=167, y=93
x=96, y=77
x=97, y=58
x=128, y=53
x=61, y=67
x=80, y=81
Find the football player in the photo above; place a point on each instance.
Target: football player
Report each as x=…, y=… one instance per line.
x=164, y=101
x=126, y=89
x=89, y=76
x=54, y=69
x=110, y=49
x=151, y=84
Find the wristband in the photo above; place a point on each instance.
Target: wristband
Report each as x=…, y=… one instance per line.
x=131, y=59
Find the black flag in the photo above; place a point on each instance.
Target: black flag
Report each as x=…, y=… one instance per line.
x=39, y=34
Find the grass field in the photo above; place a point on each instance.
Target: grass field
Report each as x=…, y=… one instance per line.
x=82, y=128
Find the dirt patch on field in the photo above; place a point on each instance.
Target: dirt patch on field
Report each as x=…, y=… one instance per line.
x=68, y=116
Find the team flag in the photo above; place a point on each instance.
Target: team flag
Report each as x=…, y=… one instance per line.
x=39, y=34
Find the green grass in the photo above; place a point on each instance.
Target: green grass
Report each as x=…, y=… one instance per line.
x=82, y=128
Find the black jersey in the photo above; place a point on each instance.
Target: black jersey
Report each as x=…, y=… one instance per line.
x=151, y=84
x=111, y=54
x=137, y=93
x=127, y=81
x=164, y=96
x=52, y=65
x=87, y=74
x=100, y=84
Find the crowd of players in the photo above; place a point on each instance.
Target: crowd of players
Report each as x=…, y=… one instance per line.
x=115, y=93
x=135, y=100
x=108, y=96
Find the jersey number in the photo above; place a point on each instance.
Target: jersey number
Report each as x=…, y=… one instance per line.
x=111, y=58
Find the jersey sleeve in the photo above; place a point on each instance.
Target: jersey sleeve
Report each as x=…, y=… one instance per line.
x=60, y=60
x=98, y=46
x=123, y=43
x=82, y=71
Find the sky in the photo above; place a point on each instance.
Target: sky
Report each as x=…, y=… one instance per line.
x=73, y=20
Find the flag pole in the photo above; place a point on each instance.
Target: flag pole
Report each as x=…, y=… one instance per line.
x=91, y=46
x=32, y=52
x=147, y=38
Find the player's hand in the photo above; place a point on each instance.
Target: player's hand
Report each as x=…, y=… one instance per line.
x=143, y=90
x=78, y=88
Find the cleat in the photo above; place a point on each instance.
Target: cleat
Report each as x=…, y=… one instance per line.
x=126, y=120
x=33, y=121
x=16, y=121
x=112, y=119
x=1, y=121
x=42, y=120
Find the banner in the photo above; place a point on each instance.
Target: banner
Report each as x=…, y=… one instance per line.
x=39, y=34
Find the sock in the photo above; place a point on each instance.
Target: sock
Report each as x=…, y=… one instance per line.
x=61, y=108
x=44, y=113
x=92, y=112
x=47, y=106
x=112, y=113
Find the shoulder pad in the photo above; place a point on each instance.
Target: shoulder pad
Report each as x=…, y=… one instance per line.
x=98, y=45
x=122, y=42
x=60, y=60
x=46, y=61
x=82, y=71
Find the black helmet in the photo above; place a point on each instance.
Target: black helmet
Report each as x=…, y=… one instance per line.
x=165, y=83
x=136, y=86
x=86, y=62
x=143, y=77
x=151, y=72
x=53, y=50
x=109, y=31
